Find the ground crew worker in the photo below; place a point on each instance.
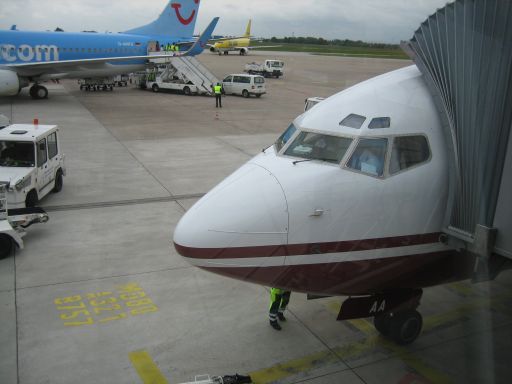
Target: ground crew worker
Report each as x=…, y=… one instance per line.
x=217, y=90
x=279, y=299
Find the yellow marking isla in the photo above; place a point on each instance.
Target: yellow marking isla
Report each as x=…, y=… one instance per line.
x=132, y=300
x=146, y=368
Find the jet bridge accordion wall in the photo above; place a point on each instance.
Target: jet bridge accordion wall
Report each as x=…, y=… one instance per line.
x=464, y=51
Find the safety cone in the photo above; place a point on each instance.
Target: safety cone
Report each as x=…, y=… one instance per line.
x=216, y=115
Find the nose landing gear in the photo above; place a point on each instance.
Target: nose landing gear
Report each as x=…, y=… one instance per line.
x=394, y=313
x=38, y=92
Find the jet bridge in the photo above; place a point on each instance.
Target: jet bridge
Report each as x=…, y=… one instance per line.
x=187, y=69
x=464, y=51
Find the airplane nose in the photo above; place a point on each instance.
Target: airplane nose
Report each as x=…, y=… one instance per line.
x=248, y=209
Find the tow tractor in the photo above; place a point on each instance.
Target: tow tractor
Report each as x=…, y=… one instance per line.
x=14, y=222
x=31, y=162
x=269, y=68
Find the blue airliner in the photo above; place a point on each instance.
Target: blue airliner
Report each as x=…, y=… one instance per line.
x=32, y=57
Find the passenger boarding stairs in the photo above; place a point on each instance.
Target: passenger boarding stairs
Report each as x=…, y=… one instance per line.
x=195, y=72
x=187, y=68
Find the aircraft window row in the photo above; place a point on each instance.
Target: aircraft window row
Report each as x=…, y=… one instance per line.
x=369, y=157
x=318, y=146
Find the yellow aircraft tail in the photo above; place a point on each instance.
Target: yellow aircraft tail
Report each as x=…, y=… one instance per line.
x=248, y=30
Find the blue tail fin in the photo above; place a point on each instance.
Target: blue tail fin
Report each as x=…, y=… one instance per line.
x=178, y=19
x=201, y=42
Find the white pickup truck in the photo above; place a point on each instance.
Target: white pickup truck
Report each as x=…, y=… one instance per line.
x=269, y=68
x=31, y=163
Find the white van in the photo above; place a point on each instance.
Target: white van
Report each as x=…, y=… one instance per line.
x=244, y=84
x=31, y=163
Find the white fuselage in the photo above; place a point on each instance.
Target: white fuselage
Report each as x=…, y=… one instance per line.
x=331, y=226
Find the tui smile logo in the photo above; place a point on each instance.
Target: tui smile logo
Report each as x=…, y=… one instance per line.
x=183, y=20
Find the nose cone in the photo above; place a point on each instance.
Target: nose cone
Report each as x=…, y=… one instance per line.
x=248, y=209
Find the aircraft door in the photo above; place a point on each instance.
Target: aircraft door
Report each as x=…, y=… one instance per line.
x=153, y=46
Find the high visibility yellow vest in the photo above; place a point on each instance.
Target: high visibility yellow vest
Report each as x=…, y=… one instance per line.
x=217, y=89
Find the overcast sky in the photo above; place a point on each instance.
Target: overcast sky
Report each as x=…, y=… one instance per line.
x=368, y=20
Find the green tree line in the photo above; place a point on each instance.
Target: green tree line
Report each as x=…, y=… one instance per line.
x=335, y=42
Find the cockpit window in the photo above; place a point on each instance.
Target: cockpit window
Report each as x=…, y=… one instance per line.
x=407, y=152
x=369, y=156
x=380, y=122
x=353, y=121
x=283, y=139
x=318, y=146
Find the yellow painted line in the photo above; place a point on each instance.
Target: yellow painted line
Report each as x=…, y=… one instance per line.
x=463, y=289
x=293, y=367
x=403, y=354
x=475, y=304
x=146, y=368
x=373, y=340
x=364, y=326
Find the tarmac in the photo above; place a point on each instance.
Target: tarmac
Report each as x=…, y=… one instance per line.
x=99, y=295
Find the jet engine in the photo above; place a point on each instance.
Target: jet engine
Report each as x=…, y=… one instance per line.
x=9, y=83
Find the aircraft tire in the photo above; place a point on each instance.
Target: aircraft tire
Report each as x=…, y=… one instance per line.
x=405, y=326
x=41, y=92
x=5, y=246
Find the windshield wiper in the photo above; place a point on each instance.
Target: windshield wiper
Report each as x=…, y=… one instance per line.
x=301, y=161
x=316, y=158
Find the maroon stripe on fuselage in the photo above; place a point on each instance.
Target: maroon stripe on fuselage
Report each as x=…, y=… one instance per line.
x=306, y=249
x=359, y=277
